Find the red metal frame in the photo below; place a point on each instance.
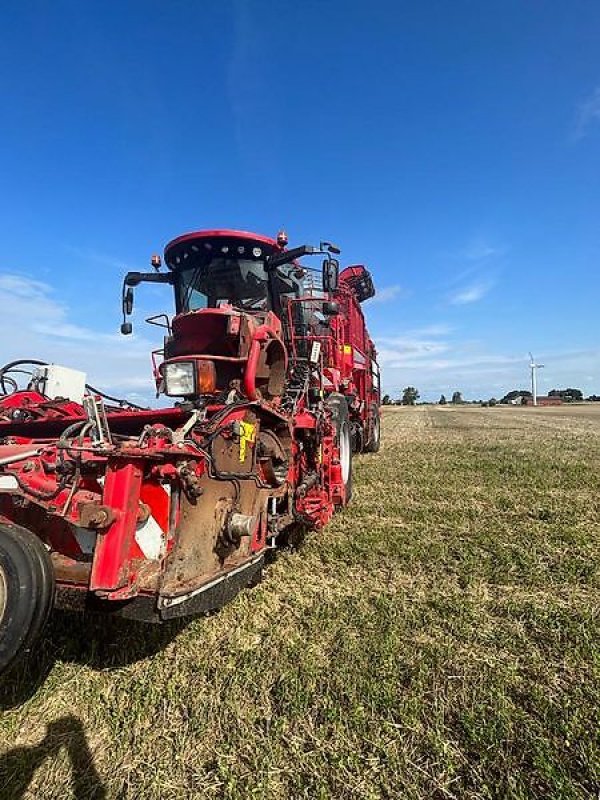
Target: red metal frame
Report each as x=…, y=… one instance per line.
x=116, y=549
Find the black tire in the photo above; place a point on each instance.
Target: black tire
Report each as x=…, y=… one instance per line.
x=343, y=436
x=26, y=592
x=47, y=589
x=374, y=443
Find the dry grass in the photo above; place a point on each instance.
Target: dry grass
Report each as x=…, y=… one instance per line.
x=439, y=639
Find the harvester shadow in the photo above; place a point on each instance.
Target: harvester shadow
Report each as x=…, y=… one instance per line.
x=98, y=641
x=18, y=766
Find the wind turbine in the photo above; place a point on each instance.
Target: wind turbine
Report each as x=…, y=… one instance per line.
x=534, y=368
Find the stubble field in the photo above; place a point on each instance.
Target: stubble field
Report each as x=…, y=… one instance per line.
x=440, y=639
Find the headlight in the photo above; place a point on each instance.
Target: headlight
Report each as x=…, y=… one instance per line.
x=180, y=378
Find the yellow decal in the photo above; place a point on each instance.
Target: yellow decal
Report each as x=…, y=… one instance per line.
x=247, y=436
x=347, y=349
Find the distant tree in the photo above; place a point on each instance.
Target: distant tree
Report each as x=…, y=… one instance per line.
x=443, y=400
x=492, y=401
x=410, y=396
x=594, y=398
x=514, y=394
x=568, y=395
x=457, y=398
x=387, y=400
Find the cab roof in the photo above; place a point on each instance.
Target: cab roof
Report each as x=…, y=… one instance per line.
x=180, y=248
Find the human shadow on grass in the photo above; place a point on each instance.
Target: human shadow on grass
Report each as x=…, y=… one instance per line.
x=18, y=766
x=99, y=641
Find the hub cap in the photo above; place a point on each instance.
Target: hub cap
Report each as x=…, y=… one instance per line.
x=3, y=593
x=345, y=453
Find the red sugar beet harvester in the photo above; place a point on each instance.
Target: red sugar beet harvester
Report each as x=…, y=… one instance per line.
x=160, y=513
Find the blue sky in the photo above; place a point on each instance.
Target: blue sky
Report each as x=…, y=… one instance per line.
x=453, y=147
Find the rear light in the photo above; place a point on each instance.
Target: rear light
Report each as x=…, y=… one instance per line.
x=206, y=376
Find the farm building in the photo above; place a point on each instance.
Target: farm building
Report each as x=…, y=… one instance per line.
x=544, y=401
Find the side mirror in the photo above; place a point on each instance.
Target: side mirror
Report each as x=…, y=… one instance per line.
x=132, y=279
x=331, y=272
x=127, y=305
x=128, y=301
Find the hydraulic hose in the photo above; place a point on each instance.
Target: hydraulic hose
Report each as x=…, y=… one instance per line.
x=10, y=367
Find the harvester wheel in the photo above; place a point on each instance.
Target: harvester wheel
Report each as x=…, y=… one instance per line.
x=374, y=442
x=343, y=438
x=26, y=592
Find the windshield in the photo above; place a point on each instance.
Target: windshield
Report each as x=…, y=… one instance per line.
x=240, y=282
x=288, y=282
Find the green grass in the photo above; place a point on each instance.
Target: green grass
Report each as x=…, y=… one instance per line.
x=439, y=639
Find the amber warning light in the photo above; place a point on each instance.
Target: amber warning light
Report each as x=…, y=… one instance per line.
x=207, y=377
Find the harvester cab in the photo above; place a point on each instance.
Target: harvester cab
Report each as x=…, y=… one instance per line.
x=228, y=285
x=216, y=268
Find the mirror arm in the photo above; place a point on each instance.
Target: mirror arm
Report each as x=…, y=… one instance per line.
x=286, y=256
x=132, y=279
x=278, y=259
x=135, y=278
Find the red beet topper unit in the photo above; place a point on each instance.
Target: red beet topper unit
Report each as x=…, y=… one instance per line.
x=159, y=513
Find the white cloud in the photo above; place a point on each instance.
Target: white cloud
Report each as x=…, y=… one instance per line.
x=480, y=249
x=471, y=283
x=438, y=329
x=34, y=324
x=89, y=254
x=439, y=364
x=416, y=346
x=22, y=287
x=470, y=294
x=386, y=294
x=588, y=113
x=410, y=352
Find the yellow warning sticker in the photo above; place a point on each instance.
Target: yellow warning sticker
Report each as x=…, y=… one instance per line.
x=347, y=349
x=247, y=436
